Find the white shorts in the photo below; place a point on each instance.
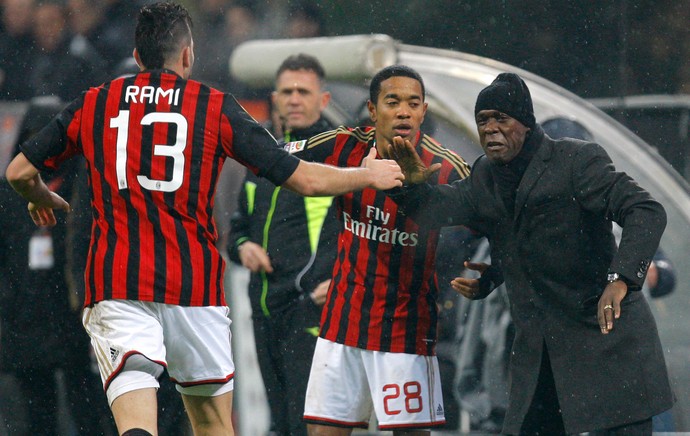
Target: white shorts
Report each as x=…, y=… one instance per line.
x=134, y=340
x=346, y=382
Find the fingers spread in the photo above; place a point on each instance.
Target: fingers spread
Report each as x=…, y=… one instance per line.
x=435, y=167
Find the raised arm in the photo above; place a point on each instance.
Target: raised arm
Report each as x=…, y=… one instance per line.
x=430, y=205
x=315, y=179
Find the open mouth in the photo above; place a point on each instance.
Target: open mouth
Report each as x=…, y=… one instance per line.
x=402, y=130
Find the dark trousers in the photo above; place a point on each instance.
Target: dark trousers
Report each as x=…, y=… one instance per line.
x=285, y=346
x=544, y=414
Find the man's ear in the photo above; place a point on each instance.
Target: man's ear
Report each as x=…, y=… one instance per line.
x=137, y=59
x=372, y=110
x=187, y=57
x=325, y=99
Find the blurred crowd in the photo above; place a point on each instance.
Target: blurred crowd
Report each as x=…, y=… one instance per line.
x=613, y=48
x=60, y=47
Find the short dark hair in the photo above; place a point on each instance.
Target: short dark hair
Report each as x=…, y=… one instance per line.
x=392, y=71
x=302, y=61
x=161, y=30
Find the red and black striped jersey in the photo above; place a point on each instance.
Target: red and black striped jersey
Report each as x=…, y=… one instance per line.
x=382, y=295
x=155, y=144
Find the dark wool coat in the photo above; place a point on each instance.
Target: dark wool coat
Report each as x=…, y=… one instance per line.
x=555, y=251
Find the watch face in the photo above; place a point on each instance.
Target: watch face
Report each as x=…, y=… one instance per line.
x=612, y=277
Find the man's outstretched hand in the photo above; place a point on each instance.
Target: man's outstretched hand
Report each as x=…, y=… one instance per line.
x=403, y=152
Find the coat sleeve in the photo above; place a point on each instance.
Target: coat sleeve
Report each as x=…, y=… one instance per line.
x=436, y=205
x=600, y=189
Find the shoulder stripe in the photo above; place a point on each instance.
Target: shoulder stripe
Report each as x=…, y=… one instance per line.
x=358, y=133
x=320, y=138
x=428, y=143
x=363, y=134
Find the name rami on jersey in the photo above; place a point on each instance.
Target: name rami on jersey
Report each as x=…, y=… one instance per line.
x=150, y=94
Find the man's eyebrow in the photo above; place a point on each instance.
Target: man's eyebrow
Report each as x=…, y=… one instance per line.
x=292, y=88
x=396, y=96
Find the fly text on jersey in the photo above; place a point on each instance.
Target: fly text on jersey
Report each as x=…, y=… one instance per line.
x=151, y=94
x=377, y=233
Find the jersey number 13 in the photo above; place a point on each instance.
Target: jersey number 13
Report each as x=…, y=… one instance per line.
x=175, y=151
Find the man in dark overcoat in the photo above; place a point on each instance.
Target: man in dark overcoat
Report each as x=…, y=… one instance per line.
x=587, y=355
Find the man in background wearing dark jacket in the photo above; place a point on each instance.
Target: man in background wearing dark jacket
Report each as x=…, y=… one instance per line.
x=275, y=234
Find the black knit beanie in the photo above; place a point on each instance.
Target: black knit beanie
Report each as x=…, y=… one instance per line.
x=508, y=93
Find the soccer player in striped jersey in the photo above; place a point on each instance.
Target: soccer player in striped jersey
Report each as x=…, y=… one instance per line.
x=154, y=145
x=378, y=327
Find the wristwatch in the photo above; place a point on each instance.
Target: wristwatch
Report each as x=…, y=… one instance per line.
x=613, y=276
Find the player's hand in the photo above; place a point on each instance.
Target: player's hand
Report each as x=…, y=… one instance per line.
x=386, y=173
x=469, y=287
x=42, y=213
x=254, y=257
x=609, y=307
x=411, y=164
x=318, y=296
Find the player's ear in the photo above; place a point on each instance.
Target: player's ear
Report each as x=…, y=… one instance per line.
x=187, y=57
x=137, y=59
x=372, y=110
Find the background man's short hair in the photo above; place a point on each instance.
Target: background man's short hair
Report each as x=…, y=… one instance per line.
x=302, y=61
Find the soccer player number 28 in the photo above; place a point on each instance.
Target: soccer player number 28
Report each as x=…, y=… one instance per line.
x=413, y=397
x=176, y=151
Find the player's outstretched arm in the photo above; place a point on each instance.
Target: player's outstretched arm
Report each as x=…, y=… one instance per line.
x=315, y=179
x=26, y=180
